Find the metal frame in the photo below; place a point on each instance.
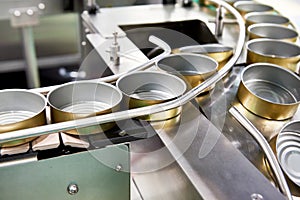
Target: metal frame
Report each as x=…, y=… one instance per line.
x=47, y=129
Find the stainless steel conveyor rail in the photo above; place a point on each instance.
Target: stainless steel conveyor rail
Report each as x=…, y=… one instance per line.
x=132, y=113
x=267, y=150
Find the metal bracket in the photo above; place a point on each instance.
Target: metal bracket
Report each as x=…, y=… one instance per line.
x=21, y=17
x=25, y=18
x=219, y=21
x=114, y=49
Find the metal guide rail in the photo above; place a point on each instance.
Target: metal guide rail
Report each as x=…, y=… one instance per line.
x=132, y=113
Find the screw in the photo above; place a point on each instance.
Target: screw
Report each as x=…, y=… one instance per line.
x=17, y=13
x=119, y=167
x=122, y=133
x=256, y=196
x=29, y=12
x=73, y=188
x=115, y=34
x=41, y=6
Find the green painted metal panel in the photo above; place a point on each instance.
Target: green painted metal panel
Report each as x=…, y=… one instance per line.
x=94, y=172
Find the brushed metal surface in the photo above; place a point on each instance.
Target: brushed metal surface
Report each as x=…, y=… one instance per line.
x=163, y=13
x=155, y=177
x=240, y=137
x=270, y=156
x=211, y=162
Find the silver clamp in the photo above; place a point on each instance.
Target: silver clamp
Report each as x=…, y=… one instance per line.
x=114, y=50
x=25, y=18
x=219, y=21
x=21, y=17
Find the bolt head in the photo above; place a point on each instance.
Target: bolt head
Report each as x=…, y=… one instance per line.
x=72, y=188
x=119, y=167
x=41, y=6
x=17, y=13
x=256, y=196
x=29, y=12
